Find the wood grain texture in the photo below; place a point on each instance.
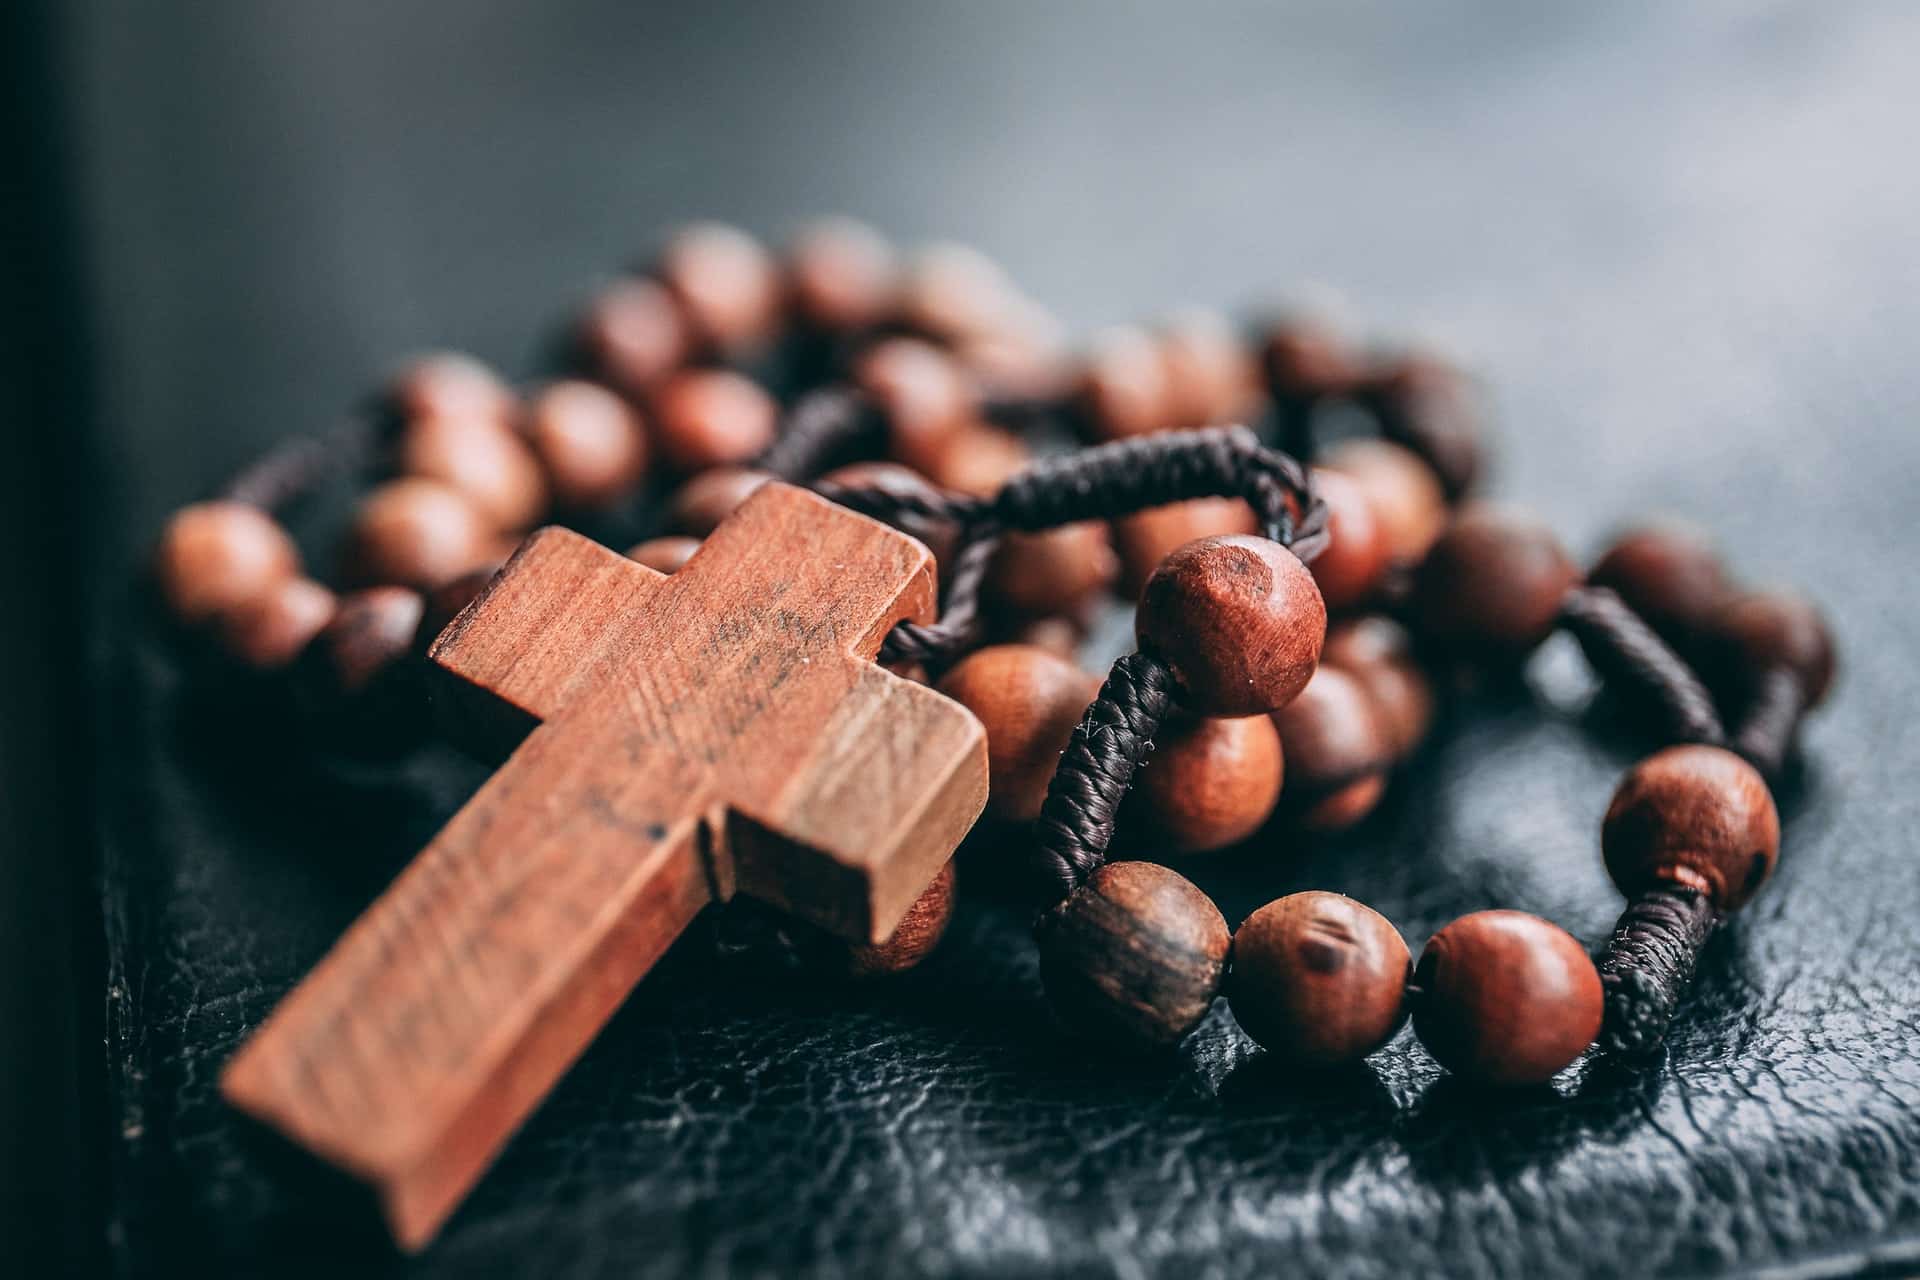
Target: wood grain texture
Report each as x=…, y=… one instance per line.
x=671, y=740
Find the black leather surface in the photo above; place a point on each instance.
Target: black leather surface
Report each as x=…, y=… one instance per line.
x=1680, y=244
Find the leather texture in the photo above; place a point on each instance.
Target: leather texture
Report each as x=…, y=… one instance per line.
x=1679, y=243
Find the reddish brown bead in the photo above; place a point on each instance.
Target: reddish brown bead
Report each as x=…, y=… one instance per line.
x=953, y=292
x=1421, y=397
x=1145, y=538
x=1319, y=979
x=1135, y=955
x=978, y=459
x=482, y=458
x=1505, y=998
x=633, y=335
x=1237, y=620
x=1210, y=376
x=1211, y=783
x=728, y=286
x=1125, y=388
x=843, y=275
x=925, y=397
x=268, y=631
x=1057, y=635
x=666, y=554
x=448, y=384
x=1306, y=359
x=1493, y=583
x=1669, y=574
x=712, y=417
x=1762, y=631
x=1028, y=700
x=1018, y=366
x=589, y=442
x=1356, y=556
x=710, y=497
x=418, y=533
x=1694, y=816
x=1337, y=750
x=217, y=557
x=1377, y=652
x=1407, y=501
x=913, y=939
x=1055, y=571
x=357, y=681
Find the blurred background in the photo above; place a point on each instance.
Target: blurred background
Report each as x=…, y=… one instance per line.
x=1678, y=241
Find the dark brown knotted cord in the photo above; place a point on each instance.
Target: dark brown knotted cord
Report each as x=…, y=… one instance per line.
x=1649, y=963
x=1630, y=654
x=299, y=466
x=822, y=429
x=1766, y=730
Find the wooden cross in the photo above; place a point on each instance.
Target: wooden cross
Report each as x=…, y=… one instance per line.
x=673, y=740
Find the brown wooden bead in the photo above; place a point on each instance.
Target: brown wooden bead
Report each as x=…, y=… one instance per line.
x=913, y=939
x=1029, y=700
x=713, y=417
x=268, y=631
x=1306, y=359
x=1377, y=652
x=843, y=275
x=216, y=557
x=418, y=533
x=1405, y=494
x=710, y=497
x=1018, y=366
x=1667, y=573
x=1319, y=979
x=925, y=396
x=1210, y=376
x=1505, y=998
x=1211, y=783
x=1695, y=816
x=1125, y=388
x=448, y=384
x=1356, y=557
x=1057, y=635
x=1337, y=751
x=1762, y=631
x=588, y=440
x=665, y=554
x=1423, y=397
x=633, y=334
x=978, y=459
x=727, y=284
x=952, y=291
x=357, y=681
x=1237, y=620
x=1136, y=955
x=1493, y=583
x=482, y=458
x=1054, y=571
x=1145, y=538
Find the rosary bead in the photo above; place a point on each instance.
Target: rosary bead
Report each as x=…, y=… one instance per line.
x=483, y=458
x=356, y=681
x=1694, y=816
x=1145, y=538
x=269, y=631
x=977, y=460
x=1318, y=979
x=1210, y=378
x=1057, y=635
x=1211, y=783
x=1337, y=750
x=1028, y=700
x=1494, y=582
x=1053, y=571
x=1238, y=621
x=1405, y=494
x=843, y=275
x=418, y=533
x=953, y=292
x=1305, y=360
x=713, y=417
x=633, y=335
x=1125, y=387
x=1765, y=630
x=1377, y=652
x=589, y=442
x=448, y=384
x=1136, y=955
x=1505, y=998
x=922, y=392
x=1349, y=568
x=727, y=284
x=913, y=939
x=710, y=497
x=1431, y=400
x=1668, y=574
x=664, y=554
x=216, y=557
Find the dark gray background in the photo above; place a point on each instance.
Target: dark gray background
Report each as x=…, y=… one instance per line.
x=1678, y=240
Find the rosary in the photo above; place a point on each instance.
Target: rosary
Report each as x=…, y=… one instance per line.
x=852, y=631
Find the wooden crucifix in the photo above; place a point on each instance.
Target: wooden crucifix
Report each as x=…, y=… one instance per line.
x=673, y=740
